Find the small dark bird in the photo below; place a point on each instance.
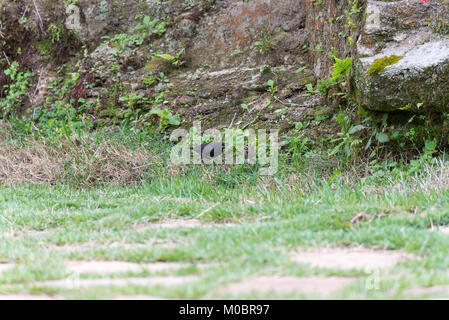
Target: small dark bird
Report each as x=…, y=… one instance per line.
x=210, y=150
x=216, y=148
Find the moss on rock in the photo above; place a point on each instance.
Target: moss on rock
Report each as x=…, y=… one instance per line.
x=380, y=64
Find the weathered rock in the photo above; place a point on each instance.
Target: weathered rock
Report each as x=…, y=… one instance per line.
x=403, y=61
x=230, y=49
x=100, y=62
x=229, y=37
x=92, y=19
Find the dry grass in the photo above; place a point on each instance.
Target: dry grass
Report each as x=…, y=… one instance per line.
x=435, y=178
x=85, y=162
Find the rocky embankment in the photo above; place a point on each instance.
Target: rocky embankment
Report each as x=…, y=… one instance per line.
x=218, y=60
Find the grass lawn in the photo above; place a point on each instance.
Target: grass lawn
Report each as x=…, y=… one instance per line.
x=217, y=236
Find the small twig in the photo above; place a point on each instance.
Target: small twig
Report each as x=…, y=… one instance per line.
x=252, y=121
x=251, y=103
x=206, y=211
x=7, y=59
x=38, y=84
x=232, y=122
x=286, y=103
x=41, y=24
x=6, y=219
x=146, y=165
x=25, y=12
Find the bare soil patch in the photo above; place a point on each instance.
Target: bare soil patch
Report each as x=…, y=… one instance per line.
x=281, y=284
x=172, y=224
x=118, y=282
x=25, y=233
x=111, y=267
x=182, y=223
x=167, y=244
x=34, y=233
x=429, y=291
x=441, y=229
x=175, y=199
x=349, y=258
x=5, y=266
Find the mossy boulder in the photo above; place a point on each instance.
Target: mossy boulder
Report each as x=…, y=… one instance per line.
x=403, y=61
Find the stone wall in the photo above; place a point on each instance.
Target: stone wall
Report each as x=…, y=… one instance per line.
x=231, y=48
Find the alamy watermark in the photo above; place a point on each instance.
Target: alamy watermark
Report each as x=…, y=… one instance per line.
x=73, y=17
x=229, y=147
x=372, y=282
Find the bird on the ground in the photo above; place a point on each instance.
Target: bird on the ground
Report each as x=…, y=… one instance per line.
x=216, y=148
x=210, y=149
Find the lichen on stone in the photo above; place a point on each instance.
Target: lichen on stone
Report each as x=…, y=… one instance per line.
x=380, y=64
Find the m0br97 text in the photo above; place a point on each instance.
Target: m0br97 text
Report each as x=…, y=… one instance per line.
x=252, y=309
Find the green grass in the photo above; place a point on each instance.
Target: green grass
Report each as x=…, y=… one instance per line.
x=249, y=229
x=251, y=223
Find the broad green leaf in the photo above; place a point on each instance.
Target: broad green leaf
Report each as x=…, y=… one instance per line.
x=382, y=137
x=357, y=128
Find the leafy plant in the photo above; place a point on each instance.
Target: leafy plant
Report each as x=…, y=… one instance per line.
x=272, y=89
x=17, y=91
x=55, y=33
x=148, y=26
x=60, y=119
x=265, y=44
x=340, y=72
x=341, y=68
x=426, y=157
x=346, y=142
x=166, y=117
x=298, y=145
x=132, y=100
x=125, y=43
x=377, y=132
x=174, y=60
